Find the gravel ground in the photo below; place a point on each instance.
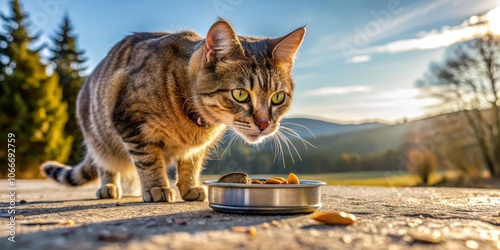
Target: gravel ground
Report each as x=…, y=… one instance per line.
x=50, y=216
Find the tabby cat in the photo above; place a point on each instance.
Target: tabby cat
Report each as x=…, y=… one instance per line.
x=163, y=97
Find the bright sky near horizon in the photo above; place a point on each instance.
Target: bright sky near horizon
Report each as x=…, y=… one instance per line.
x=359, y=62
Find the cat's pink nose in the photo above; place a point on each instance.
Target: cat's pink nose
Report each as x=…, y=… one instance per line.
x=262, y=124
x=261, y=119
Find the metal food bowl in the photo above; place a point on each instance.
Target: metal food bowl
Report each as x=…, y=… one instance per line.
x=265, y=198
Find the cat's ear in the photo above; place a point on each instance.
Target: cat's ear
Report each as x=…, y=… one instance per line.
x=221, y=42
x=284, y=48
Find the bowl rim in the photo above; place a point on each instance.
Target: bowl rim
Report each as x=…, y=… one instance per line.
x=303, y=184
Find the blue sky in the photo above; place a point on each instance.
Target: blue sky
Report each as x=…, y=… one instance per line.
x=359, y=60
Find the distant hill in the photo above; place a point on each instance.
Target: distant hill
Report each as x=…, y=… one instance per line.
x=373, y=138
x=363, y=142
x=320, y=128
x=337, y=147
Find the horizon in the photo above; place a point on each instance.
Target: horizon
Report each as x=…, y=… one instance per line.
x=368, y=121
x=359, y=62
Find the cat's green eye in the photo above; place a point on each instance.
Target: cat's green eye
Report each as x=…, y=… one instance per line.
x=278, y=98
x=240, y=95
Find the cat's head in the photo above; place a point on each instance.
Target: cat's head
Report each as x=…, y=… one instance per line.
x=245, y=82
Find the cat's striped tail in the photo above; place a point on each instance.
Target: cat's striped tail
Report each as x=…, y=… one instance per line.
x=78, y=175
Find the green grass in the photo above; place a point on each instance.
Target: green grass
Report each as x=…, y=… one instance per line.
x=390, y=180
x=378, y=178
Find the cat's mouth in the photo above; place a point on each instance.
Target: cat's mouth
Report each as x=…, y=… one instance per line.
x=255, y=138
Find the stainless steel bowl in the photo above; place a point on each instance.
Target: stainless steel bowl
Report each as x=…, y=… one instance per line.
x=265, y=198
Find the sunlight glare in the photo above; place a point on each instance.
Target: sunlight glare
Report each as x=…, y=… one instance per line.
x=493, y=18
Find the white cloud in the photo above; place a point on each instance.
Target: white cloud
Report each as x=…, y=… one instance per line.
x=389, y=105
x=407, y=93
x=469, y=29
x=327, y=91
x=493, y=18
x=389, y=111
x=421, y=103
x=360, y=59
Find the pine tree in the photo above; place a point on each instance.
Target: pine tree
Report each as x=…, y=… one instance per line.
x=31, y=103
x=69, y=61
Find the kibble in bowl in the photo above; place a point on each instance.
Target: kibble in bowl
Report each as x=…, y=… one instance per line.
x=240, y=177
x=236, y=177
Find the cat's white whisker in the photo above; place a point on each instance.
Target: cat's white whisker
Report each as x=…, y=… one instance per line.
x=232, y=137
x=286, y=141
x=296, y=151
x=281, y=149
x=304, y=142
x=299, y=125
x=231, y=142
x=275, y=149
x=293, y=133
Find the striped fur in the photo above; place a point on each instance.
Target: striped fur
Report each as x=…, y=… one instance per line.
x=161, y=98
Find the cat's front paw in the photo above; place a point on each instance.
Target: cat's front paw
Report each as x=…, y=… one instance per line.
x=159, y=194
x=196, y=193
x=109, y=191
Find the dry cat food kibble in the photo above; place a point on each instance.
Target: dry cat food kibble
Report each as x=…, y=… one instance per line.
x=334, y=218
x=258, y=182
x=293, y=179
x=241, y=229
x=276, y=180
x=238, y=177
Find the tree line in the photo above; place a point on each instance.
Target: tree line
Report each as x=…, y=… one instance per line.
x=38, y=95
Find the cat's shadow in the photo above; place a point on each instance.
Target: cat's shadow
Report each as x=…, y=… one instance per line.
x=195, y=219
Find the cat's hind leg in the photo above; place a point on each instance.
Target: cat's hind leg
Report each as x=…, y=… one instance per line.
x=110, y=185
x=112, y=166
